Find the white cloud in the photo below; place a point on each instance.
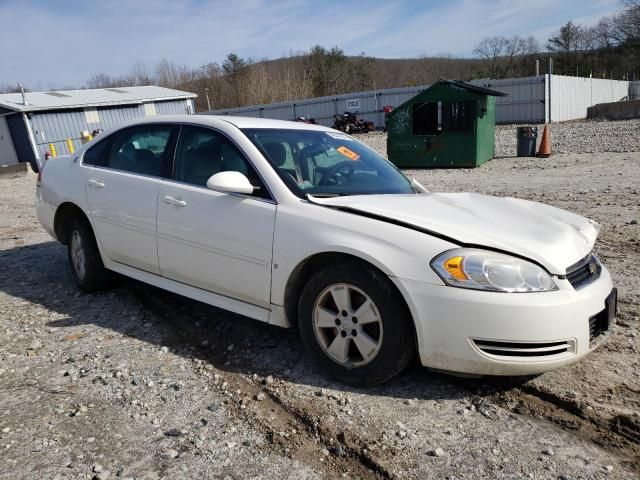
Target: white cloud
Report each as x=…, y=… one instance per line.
x=51, y=46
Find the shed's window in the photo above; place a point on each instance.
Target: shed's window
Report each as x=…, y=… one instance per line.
x=431, y=118
x=457, y=116
x=426, y=118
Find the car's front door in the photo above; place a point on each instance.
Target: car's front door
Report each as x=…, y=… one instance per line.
x=212, y=240
x=123, y=181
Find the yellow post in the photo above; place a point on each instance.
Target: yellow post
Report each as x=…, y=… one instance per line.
x=70, y=145
x=52, y=149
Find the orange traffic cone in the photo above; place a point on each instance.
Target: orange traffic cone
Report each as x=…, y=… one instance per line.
x=545, y=144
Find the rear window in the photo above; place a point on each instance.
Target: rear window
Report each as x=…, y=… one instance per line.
x=98, y=154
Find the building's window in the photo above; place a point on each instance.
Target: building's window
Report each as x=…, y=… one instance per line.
x=432, y=118
x=142, y=149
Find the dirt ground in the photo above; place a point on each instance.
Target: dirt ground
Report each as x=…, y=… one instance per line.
x=134, y=382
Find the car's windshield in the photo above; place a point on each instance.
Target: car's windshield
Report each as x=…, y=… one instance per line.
x=327, y=163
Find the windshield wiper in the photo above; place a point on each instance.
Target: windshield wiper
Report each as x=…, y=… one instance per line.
x=326, y=195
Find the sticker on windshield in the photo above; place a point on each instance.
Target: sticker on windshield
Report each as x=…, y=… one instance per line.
x=340, y=136
x=350, y=154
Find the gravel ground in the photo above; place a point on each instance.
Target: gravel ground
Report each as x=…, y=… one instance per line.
x=134, y=382
x=567, y=137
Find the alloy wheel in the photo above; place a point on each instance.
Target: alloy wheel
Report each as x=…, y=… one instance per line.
x=347, y=325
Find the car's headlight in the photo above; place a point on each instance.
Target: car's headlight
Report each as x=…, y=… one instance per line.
x=487, y=270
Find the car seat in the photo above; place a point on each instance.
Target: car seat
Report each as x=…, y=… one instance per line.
x=278, y=155
x=201, y=163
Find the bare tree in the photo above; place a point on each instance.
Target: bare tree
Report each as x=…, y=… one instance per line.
x=258, y=85
x=100, y=80
x=504, y=55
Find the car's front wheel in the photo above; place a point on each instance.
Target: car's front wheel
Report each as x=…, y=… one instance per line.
x=355, y=324
x=86, y=264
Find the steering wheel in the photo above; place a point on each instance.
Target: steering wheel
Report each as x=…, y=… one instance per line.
x=342, y=169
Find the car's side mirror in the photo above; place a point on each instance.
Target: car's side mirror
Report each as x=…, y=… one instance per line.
x=230, y=182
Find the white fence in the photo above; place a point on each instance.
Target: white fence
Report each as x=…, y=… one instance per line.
x=537, y=99
x=571, y=96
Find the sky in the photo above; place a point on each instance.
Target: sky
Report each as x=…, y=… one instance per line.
x=53, y=44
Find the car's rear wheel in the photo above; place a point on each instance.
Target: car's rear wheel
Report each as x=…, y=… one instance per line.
x=84, y=257
x=355, y=324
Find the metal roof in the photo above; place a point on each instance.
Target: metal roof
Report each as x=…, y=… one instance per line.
x=97, y=97
x=471, y=88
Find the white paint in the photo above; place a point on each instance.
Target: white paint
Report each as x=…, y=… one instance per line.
x=150, y=109
x=220, y=248
x=91, y=116
x=230, y=182
x=553, y=237
x=571, y=96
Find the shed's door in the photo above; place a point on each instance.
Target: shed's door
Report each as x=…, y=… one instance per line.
x=8, y=154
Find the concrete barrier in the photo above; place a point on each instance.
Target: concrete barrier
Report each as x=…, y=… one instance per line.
x=13, y=169
x=615, y=110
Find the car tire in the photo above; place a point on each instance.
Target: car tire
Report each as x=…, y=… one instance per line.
x=385, y=331
x=84, y=257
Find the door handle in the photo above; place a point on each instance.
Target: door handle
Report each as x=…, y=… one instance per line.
x=174, y=201
x=96, y=183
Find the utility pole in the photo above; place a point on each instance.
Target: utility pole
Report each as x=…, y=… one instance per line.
x=206, y=93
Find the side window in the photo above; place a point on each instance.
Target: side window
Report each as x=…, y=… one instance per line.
x=202, y=153
x=431, y=118
x=98, y=154
x=427, y=118
x=143, y=150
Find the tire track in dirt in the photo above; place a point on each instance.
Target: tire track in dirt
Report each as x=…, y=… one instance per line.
x=619, y=435
x=273, y=416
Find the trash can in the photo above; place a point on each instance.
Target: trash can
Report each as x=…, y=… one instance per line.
x=527, y=137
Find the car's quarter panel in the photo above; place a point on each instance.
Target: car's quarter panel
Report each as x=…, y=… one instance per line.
x=216, y=241
x=451, y=317
x=123, y=209
x=63, y=180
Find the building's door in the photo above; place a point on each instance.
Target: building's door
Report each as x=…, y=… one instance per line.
x=8, y=154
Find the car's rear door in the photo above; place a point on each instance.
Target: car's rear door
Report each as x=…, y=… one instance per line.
x=212, y=240
x=125, y=172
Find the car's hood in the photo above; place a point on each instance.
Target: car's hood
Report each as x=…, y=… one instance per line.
x=552, y=237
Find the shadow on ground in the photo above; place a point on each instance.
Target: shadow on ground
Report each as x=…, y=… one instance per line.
x=40, y=274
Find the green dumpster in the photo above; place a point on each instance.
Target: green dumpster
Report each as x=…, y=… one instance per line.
x=449, y=125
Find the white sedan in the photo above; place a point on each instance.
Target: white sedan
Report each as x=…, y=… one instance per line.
x=303, y=226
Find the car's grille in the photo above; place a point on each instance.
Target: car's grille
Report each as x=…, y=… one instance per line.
x=597, y=325
x=584, y=272
x=519, y=349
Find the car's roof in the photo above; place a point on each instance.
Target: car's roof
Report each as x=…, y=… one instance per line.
x=240, y=122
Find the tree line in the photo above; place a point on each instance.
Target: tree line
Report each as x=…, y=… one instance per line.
x=608, y=49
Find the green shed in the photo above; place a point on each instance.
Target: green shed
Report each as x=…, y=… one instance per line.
x=451, y=124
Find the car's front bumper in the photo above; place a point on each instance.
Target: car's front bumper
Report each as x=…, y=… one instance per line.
x=491, y=333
